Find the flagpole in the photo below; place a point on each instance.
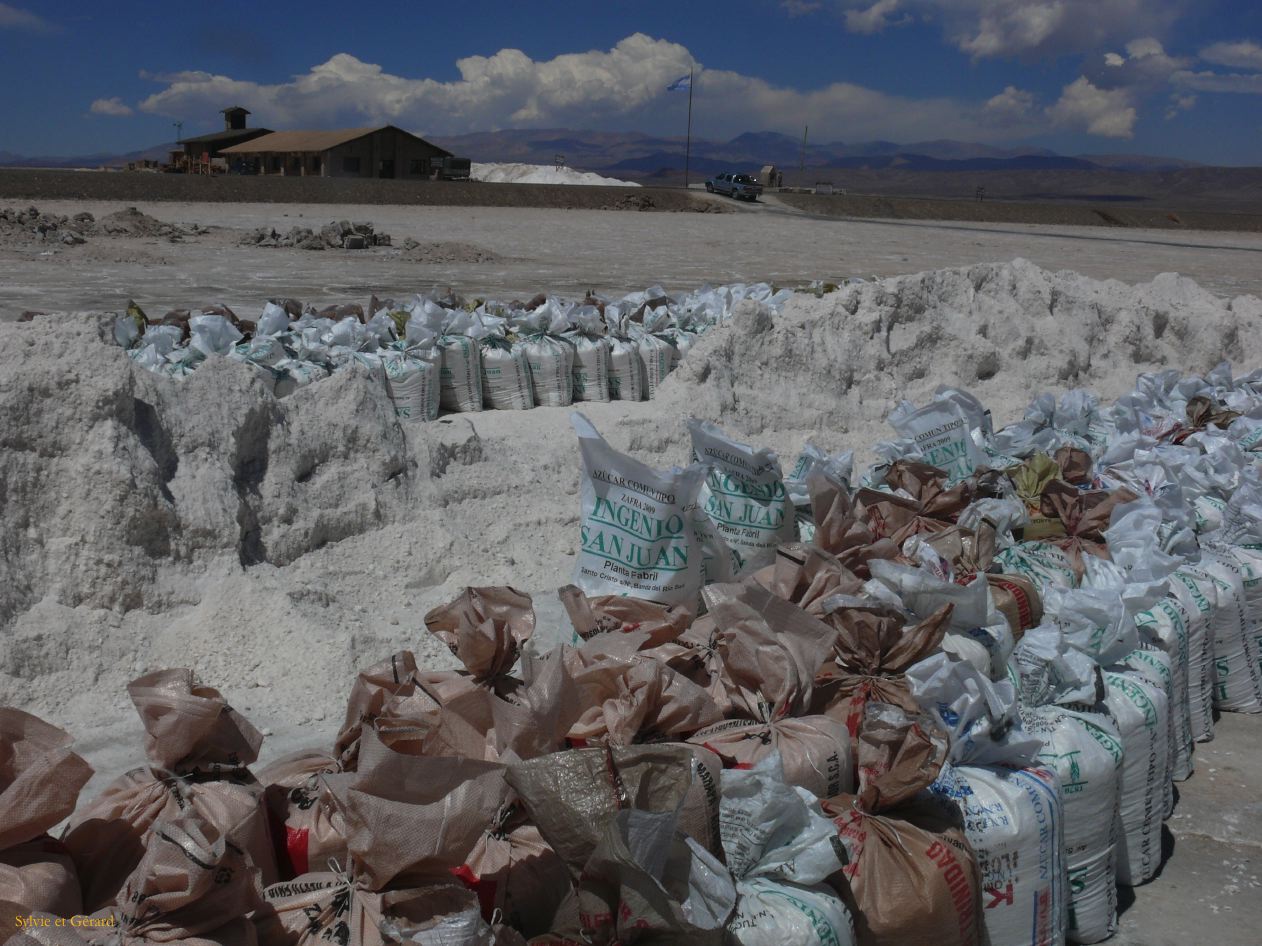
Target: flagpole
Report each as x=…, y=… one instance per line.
x=688, y=145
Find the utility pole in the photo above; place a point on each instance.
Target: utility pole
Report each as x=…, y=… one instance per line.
x=802, y=154
x=688, y=143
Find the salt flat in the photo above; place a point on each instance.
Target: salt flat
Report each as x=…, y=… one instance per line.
x=567, y=251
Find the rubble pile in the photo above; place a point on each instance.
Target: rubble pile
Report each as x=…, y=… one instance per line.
x=338, y=234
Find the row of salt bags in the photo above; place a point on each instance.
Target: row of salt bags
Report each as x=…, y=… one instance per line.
x=1060, y=695
x=1239, y=543
x=1012, y=807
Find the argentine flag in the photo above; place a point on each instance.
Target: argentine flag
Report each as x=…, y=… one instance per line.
x=682, y=84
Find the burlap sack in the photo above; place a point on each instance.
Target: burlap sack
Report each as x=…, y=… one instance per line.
x=570, y=795
x=755, y=653
x=1085, y=516
x=912, y=877
x=410, y=816
x=971, y=552
x=541, y=713
x=392, y=679
x=646, y=880
x=872, y=650
x=193, y=886
x=922, y=504
x=515, y=873
x=40, y=780
x=198, y=747
x=839, y=529
x=108, y=838
x=634, y=699
x=815, y=750
x=326, y=907
x=805, y=575
x=190, y=728
x=485, y=628
x=1039, y=476
x=1075, y=465
x=306, y=827
x=410, y=821
x=616, y=614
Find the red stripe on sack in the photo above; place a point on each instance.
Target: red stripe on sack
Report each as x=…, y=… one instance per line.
x=296, y=840
x=1024, y=612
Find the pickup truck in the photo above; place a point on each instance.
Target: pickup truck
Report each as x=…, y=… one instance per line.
x=740, y=186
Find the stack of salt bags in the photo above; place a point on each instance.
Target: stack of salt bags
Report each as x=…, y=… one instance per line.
x=549, y=354
x=1207, y=467
x=1179, y=623
x=1060, y=697
x=40, y=780
x=199, y=748
x=456, y=335
x=1096, y=621
x=1012, y=807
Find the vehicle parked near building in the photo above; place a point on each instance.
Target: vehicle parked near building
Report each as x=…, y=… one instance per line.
x=740, y=186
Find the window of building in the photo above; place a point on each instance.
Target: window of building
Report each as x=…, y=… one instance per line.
x=419, y=166
x=350, y=165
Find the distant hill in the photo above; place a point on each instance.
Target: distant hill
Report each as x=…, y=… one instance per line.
x=101, y=159
x=639, y=156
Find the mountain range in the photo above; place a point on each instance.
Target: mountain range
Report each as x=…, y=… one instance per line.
x=648, y=158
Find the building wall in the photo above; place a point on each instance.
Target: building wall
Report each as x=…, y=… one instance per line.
x=385, y=153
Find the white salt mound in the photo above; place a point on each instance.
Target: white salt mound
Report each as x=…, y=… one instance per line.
x=541, y=174
x=277, y=545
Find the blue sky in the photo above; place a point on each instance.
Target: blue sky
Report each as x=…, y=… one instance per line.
x=1171, y=77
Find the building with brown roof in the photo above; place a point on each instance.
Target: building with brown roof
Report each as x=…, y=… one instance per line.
x=202, y=148
x=383, y=151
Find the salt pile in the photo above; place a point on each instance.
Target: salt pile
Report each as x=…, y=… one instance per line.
x=275, y=545
x=541, y=174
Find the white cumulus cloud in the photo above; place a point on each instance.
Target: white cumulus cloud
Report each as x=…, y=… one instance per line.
x=609, y=89
x=1244, y=54
x=113, y=106
x=1104, y=112
x=1002, y=28
x=15, y=18
x=1247, y=83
